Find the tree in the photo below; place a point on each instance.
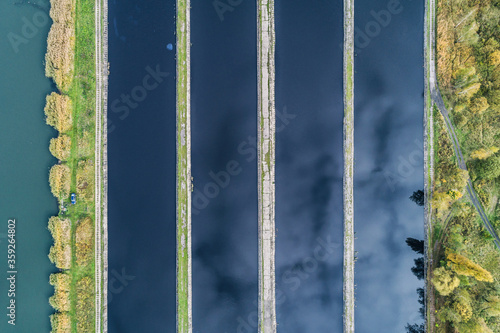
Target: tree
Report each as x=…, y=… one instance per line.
x=418, y=269
x=491, y=306
x=441, y=201
x=421, y=301
x=60, y=147
x=482, y=154
x=445, y=281
x=60, y=179
x=470, y=90
x=464, y=266
x=59, y=59
x=418, y=197
x=60, y=322
x=58, y=111
x=489, y=168
x=60, y=252
x=479, y=105
x=495, y=58
x=415, y=328
x=416, y=245
x=60, y=301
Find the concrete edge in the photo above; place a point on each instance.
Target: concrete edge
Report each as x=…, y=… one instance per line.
x=266, y=164
x=348, y=193
x=183, y=181
x=104, y=183
x=428, y=157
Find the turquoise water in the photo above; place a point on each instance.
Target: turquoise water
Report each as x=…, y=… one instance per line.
x=24, y=164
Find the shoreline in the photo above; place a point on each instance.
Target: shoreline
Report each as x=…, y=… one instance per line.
x=348, y=276
x=184, y=322
x=428, y=160
x=266, y=162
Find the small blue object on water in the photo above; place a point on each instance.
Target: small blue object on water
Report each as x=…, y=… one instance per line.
x=170, y=46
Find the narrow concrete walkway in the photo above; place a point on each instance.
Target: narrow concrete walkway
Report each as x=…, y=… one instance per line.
x=184, y=185
x=348, y=166
x=266, y=162
x=101, y=180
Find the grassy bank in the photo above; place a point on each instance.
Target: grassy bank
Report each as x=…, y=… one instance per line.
x=468, y=62
x=184, y=316
x=73, y=71
x=464, y=275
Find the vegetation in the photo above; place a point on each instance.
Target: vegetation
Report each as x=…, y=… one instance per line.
x=418, y=270
x=60, y=147
x=418, y=197
x=85, y=304
x=85, y=180
x=62, y=284
x=70, y=62
x=465, y=270
x=61, y=322
x=60, y=252
x=58, y=112
x=468, y=57
x=60, y=180
x=84, y=242
x=59, y=60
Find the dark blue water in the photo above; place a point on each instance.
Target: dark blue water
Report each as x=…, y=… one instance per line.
x=388, y=162
x=309, y=165
x=142, y=159
x=224, y=124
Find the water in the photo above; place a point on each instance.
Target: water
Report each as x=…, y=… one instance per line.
x=224, y=125
x=25, y=161
x=388, y=163
x=142, y=243
x=309, y=165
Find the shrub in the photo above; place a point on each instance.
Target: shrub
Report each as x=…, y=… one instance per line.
x=84, y=242
x=85, y=180
x=60, y=147
x=488, y=168
x=444, y=281
x=85, y=304
x=58, y=112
